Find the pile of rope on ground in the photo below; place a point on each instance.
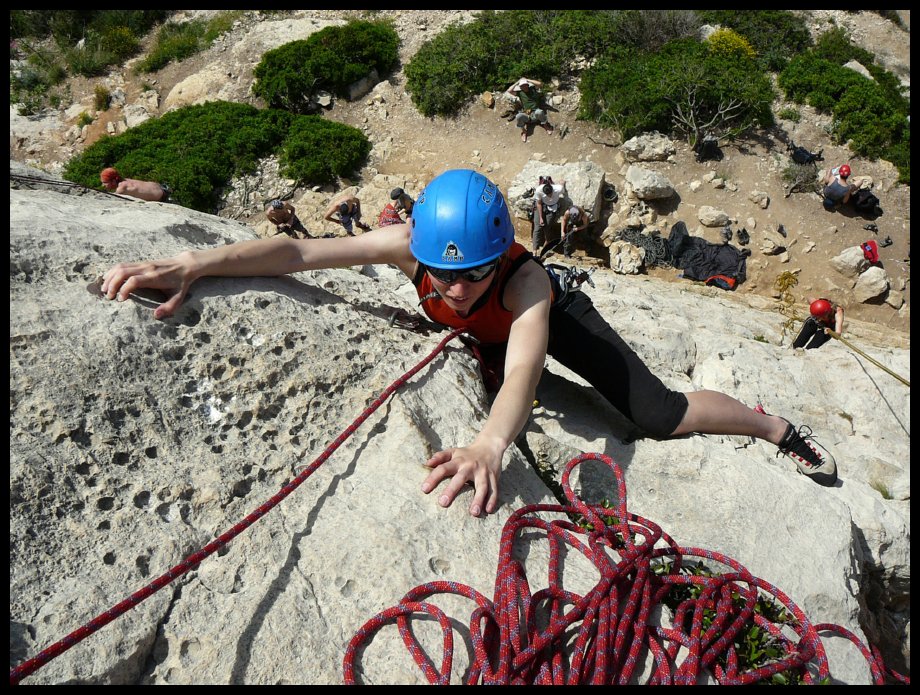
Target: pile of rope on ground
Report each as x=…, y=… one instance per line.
x=557, y=637
x=657, y=249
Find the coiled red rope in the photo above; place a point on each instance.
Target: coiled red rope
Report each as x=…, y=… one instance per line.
x=30, y=666
x=557, y=637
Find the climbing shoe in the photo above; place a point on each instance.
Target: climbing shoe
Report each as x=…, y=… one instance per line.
x=811, y=458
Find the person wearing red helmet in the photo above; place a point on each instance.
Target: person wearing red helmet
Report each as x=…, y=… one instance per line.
x=144, y=190
x=837, y=187
x=824, y=315
x=460, y=253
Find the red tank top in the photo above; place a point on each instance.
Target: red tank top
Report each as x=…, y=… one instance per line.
x=488, y=321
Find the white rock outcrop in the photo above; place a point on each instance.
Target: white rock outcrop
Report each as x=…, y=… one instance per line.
x=134, y=442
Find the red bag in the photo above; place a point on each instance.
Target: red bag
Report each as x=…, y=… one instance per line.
x=870, y=250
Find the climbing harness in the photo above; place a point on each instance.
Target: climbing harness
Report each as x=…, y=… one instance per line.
x=567, y=279
x=554, y=636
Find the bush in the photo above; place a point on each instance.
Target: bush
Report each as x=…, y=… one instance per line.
x=174, y=43
x=108, y=37
x=649, y=30
x=790, y=114
x=776, y=35
x=102, y=98
x=834, y=45
x=813, y=80
x=726, y=43
x=685, y=88
x=872, y=115
x=331, y=59
x=498, y=48
x=319, y=151
x=33, y=82
x=198, y=149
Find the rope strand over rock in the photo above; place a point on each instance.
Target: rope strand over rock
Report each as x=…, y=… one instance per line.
x=30, y=666
x=557, y=637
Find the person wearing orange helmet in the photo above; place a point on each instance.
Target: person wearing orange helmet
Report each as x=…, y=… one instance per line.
x=823, y=315
x=145, y=190
x=837, y=187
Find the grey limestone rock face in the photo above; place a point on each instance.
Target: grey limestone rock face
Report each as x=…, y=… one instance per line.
x=134, y=442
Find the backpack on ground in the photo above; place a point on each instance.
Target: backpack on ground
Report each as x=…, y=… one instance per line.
x=708, y=149
x=802, y=156
x=866, y=202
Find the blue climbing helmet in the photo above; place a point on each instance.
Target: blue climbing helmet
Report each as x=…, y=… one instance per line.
x=460, y=221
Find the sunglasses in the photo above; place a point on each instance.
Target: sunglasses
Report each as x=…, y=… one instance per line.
x=477, y=274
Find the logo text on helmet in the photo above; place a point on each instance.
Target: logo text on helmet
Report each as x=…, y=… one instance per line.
x=488, y=193
x=452, y=253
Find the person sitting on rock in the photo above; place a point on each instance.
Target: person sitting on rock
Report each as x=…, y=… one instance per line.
x=349, y=214
x=532, y=107
x=282, y=215
x=460, y=253
x=824, y=315
x=837, y=187
x=145, y=190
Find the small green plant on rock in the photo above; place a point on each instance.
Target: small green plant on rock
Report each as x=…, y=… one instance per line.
x=790, y=113
x=102, y=98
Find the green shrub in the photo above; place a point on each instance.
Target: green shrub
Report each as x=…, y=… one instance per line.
x=174, y=43
x=685, y=89
x=790, y=114
x=177, y=41
x=869, y=114
x=835, y=45
x=622, y=92
x=727, y=43
x=319, y=151
x=119, y=43
x=649, y=30
x=34, y=82
x=198, y=149
x=87, y=60
x=102, y=98
x=108, y=37
x=69, y=26
x=776, y=35
x=498, y=48
x=84, y=119
x=221, y=24
x=331, y=59
x=811, y=79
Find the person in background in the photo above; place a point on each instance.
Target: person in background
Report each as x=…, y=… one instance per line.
x=145, y=190
x=548, y=200
x=531, y=104
x=824, y=315
x=283, y=216
x=574, y=220
x=349, y=214
x=837, y=187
